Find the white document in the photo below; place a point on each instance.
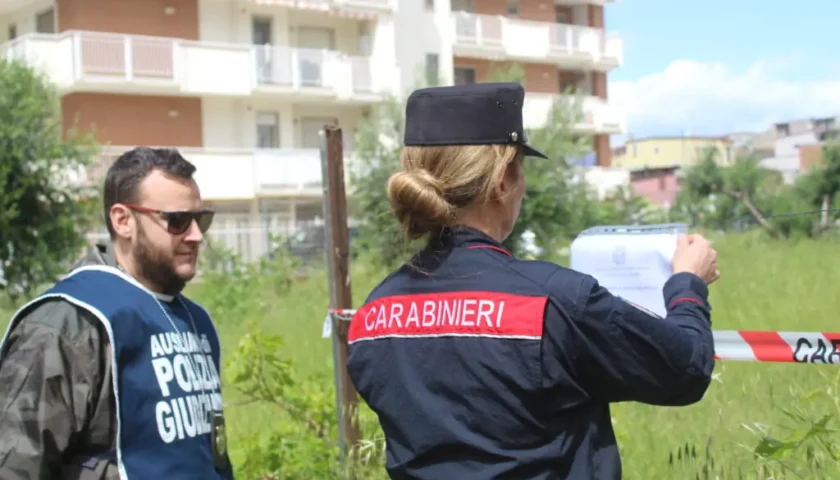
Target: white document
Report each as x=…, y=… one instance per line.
x=632, y=262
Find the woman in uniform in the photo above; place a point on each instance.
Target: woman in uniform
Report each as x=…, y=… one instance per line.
x=483, y=366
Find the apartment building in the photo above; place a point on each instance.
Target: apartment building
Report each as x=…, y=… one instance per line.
x=558, y=44
x=242, y=87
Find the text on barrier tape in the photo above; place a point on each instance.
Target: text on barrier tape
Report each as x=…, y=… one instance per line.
x=741, y=345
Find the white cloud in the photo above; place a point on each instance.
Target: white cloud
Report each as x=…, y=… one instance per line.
x=708, y=99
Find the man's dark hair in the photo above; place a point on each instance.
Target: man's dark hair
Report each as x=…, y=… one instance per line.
x=125, y=175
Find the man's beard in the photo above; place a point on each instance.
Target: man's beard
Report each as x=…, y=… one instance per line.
x=156, y=267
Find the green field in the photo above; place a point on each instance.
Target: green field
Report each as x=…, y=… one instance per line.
x=765, y=285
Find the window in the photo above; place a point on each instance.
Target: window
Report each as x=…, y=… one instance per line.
x=261, y=31
x=464, y=75
x=513, y=8
x=828, y=135
x=365, y=39
x=261, y=37
x=823, y=124
x=432, y=75
x=12, y=31
x=460, y=5
x=45, y=21
x=311, y=67
x=268, y=130
x=562, y=15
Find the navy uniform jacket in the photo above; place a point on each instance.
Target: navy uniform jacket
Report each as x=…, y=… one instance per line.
x=483, y=366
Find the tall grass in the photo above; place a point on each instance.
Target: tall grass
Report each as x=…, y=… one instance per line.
x=758, y=421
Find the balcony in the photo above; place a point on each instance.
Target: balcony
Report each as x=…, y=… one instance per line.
x=363, y=9
x=317, y=72
x=502, y=38
x=599, y=117
x=113, y=63
x=236, y=174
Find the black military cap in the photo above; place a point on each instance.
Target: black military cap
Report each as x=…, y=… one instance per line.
x=473, y=114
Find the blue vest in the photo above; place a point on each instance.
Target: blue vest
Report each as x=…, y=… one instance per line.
x=165, y=379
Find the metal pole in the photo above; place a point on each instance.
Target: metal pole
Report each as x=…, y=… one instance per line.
x=325, y=190
x=338, y=265
x=266, y=224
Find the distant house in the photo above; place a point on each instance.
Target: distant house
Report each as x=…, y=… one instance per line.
x=796, y=154
x=659, y=185
x=810, y=156
x=654, y=163
x=789, y=147
x=663, y=152
x=785, y=159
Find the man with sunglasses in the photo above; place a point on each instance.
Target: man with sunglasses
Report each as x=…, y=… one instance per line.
x=113, y=373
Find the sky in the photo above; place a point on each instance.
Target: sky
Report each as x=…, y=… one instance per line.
x=718, y=66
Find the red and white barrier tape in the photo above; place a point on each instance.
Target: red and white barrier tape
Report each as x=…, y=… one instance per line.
x=769, y=346
x=741, y=345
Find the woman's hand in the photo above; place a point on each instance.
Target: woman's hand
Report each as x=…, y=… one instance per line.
x=695, y=255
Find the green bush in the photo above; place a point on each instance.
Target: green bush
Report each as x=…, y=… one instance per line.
x=296, y=434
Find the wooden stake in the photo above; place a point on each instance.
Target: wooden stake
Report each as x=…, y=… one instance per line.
x=338, y=261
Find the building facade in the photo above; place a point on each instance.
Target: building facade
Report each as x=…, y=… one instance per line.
x=659, y=186
x=659, y=152
x=242, y=87
x=561, y=46
x=791, y=148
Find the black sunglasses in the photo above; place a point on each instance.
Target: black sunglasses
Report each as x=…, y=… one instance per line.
x=178, y=222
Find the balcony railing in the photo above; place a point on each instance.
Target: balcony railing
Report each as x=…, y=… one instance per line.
x=375, y=4
x=286, y=66
x=116, y=62
x=308, y=68
x=351, y=4
x=231, y=173
x=534, y=39
x=125, y=56
x=481, y=30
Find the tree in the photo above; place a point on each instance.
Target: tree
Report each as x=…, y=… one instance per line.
x=734, y=190
x=819, y=187
x=553, y=207
x=745, y=194
x=44, y=210
x=511, y=72
x=375, y=158
x=557, y=205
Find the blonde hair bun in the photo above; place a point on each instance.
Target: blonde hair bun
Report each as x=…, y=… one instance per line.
x=417, y=199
